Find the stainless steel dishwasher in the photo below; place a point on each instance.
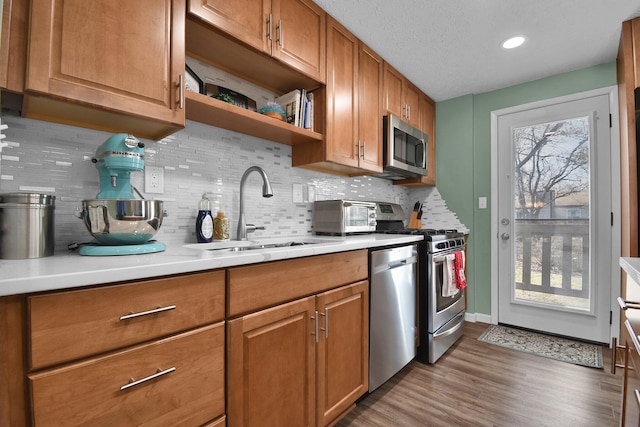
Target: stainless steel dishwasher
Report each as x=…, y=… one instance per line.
x=392, y=321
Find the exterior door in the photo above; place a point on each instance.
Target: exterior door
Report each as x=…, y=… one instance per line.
x=554, y=210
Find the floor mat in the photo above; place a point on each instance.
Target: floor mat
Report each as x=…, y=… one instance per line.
x=563, y=349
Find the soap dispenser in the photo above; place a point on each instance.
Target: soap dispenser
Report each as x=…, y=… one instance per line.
x=221, y=226
x=204, y=221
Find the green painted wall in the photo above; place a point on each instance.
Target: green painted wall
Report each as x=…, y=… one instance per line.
x=463, y=158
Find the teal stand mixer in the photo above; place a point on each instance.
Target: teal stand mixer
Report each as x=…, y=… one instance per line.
x=120, y=223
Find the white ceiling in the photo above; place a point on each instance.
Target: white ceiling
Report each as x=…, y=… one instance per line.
x=450, y=48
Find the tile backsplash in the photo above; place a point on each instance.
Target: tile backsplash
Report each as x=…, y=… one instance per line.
x=44, y=157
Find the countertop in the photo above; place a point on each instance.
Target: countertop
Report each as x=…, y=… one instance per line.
x=632, y=267
x=71, y=270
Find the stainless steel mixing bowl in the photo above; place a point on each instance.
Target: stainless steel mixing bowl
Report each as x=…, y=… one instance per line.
x=122, y=222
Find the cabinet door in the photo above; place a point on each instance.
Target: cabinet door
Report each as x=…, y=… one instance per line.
x=428, y=126
x=123, y=56
x=246, y=20
x=370, y=69
x=299, y=34
x=271, y=367
x=635, y=29
x=342, y=95
x=393, y=97
x=180, y=383
x=412, y=105
x=343, y=349
x=13, y=44
x=116, y=316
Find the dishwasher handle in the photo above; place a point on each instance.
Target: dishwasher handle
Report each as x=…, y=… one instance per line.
x=391, y=265
x=396, y=264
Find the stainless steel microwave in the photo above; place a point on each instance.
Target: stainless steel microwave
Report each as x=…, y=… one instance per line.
x=405, y=149
x=340, y=217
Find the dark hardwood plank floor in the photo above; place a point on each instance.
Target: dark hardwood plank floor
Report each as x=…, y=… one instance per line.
x=480, y=384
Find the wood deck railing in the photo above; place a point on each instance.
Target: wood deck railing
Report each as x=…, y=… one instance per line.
x=534, y=240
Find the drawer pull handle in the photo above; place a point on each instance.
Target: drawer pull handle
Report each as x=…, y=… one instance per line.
x=159, y=373
x=145, y=313
x=628, y=304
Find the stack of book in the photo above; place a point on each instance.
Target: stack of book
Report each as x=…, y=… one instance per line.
x=298, y=107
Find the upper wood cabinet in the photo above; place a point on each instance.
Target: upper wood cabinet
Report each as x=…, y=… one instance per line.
x=401, y=97
x=13, y=46
x=293, y=31
x=112, y=65
x=428, y=126
x=353, y=123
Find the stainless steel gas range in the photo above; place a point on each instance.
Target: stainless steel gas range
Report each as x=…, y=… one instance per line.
x=441, y=310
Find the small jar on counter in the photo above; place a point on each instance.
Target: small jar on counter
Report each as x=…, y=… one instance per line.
x=220, y=227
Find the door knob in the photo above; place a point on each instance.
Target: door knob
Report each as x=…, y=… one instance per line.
x=505, y=236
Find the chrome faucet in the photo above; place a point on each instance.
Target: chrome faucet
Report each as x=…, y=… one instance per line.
x=243, y=227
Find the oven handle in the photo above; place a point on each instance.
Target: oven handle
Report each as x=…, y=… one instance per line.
x=451, y=330
x=441, y=256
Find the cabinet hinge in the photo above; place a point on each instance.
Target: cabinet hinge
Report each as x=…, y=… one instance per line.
x=610, y=121
x=610, y=317
x=612, y=219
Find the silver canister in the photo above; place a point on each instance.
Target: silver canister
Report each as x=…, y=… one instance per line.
x=26, y=225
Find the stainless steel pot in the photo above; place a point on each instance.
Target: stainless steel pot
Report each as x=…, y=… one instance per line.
x=122, y=222
x=27, y=228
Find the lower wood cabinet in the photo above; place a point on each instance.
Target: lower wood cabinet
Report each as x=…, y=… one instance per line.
x=302, y=363
x=176, y=381
x=342, y=350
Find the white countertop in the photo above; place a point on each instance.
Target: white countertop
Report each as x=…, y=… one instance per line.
x=632, y=267
x=70, y=270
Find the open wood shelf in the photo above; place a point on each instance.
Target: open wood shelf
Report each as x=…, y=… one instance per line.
x=204, y=109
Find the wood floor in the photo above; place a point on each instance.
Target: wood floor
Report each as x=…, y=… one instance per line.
x=481, y=384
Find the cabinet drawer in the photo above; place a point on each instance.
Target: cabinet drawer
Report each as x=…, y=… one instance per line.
x=259, y=286
x=70, y=325
x=189, y=393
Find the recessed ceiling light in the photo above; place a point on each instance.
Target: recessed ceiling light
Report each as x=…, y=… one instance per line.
x=512, y=42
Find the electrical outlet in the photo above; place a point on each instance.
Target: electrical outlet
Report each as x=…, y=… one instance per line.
x=153, y=179
x=297, y=193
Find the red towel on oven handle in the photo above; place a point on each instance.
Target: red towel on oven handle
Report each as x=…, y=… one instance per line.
x=458, y=264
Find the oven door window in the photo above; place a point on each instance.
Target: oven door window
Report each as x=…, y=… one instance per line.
x=357, y=216
x=442, y=302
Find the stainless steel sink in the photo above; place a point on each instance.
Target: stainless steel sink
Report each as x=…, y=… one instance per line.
x=266, y=243
x=270, y=245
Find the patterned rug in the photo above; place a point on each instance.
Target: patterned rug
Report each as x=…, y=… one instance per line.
x=562, y=349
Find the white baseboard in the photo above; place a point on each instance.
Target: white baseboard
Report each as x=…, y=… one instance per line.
x=477, y=317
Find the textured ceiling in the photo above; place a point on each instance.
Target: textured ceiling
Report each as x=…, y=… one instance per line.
x=450, y=48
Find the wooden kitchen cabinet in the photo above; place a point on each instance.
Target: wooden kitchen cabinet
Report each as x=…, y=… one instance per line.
x=109, y=65
x=271, y=367
x=401, y=97
x=428, y=126
x=353, y=132
x=116, y=316
x=342, y=350
x=13, y=44
x=83, y=347
x=292, y=31
x=302, y=360
x=180, y=382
